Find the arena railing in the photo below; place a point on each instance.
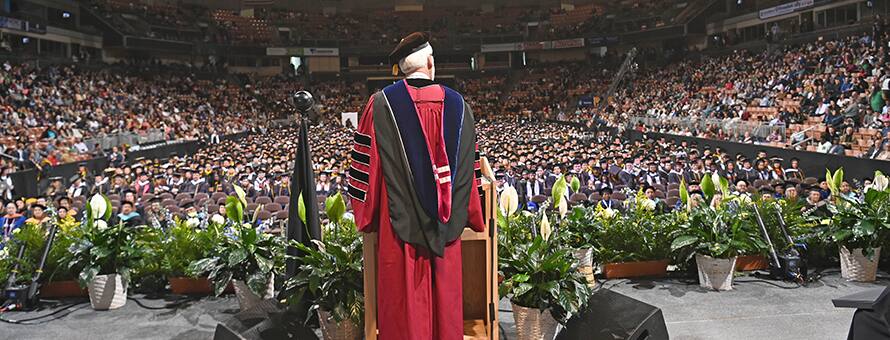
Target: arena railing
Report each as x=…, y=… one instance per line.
x=125, y=138
x=732, y=127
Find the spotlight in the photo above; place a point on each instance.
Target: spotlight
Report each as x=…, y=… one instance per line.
x=66, y=15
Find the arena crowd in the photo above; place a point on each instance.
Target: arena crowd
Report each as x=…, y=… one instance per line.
x=828, y=96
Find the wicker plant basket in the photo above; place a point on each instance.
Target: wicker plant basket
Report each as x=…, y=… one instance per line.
x=585, y=264
x=855, y=266
x=108, y=292
x=345, y=330
x=533, y=324
x=714, y=273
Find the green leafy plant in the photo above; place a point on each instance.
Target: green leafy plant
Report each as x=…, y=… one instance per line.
x=859, y=224
x=246, y=255
x=721, y=232
x=539, y=271
x=797, y=225
x=148, y=273
x=639, y=234
x=56, y=269
x=578, y=229
x=330, y=275
x=32, y=237
x=184, y=244
x=101, y=251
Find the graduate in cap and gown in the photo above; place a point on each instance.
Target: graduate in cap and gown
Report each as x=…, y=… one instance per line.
x=414, y=179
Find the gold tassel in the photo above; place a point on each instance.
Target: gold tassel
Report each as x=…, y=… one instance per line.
x=395, y=70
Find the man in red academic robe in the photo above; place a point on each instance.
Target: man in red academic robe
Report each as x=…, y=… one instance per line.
x=414, y=180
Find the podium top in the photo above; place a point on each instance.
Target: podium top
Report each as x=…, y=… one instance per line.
x=867, y=299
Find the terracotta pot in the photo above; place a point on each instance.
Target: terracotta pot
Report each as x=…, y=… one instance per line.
x=62, y=289
x=331, y=330
x=746, y=263
x=108, y=292
x=656, y=268
x=714, y=273
x=190, y=286
x=855, y=266
x=534, y=324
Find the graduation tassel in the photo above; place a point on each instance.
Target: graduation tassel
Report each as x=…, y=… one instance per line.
x=395, y=70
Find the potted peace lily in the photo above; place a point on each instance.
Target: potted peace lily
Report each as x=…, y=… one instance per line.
x=635, y=243
x=330, y=276
x=715, y=236
x=247, y=258
x=858, y=226
x=183, y=245
x=541, y=278
x=106, y=255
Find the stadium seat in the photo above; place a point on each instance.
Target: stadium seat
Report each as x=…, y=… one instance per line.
x=272, y=207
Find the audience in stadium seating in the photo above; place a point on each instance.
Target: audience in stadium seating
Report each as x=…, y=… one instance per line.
x=829, y=91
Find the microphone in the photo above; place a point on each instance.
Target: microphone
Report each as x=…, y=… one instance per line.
x=304, y=103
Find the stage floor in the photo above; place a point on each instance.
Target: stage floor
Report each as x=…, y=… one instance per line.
x=753, y=310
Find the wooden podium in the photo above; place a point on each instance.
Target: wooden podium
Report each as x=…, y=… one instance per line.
x=480, y=291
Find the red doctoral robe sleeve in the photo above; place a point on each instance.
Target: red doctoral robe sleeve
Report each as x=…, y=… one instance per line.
x=365, y=179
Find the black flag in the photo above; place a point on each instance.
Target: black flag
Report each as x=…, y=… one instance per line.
x=302, y=181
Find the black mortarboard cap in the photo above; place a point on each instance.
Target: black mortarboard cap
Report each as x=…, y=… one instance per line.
x=412, y=43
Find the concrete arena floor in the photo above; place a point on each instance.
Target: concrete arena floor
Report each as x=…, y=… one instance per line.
x=753, y=310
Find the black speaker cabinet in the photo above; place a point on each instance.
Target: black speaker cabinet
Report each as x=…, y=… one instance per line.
x=871, y=321
x=262, y=322
x=612, y=316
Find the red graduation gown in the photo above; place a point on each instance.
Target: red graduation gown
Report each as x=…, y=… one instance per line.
x=419, y=295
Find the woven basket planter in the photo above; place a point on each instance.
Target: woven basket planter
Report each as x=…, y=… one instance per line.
x=855, y=266
x=533, y=324
x=108, y=292
x=331, y=330
x=715, y=273
x=585, y=264
x=247, y=298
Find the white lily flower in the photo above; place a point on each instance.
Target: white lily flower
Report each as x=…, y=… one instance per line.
x=101, y=225
x=563, y=208
x=509, y=201
x=192, y=222
x=98, y=206
x=880, y=183
x=545, y=227
x=607, y=213
x=218, y=219
x=648, y=204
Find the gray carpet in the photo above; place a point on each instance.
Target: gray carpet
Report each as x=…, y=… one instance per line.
x=753, y=310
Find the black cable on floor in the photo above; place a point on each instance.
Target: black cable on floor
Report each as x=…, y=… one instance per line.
x=797, y=285
x=173, y=305
x=23, y=321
